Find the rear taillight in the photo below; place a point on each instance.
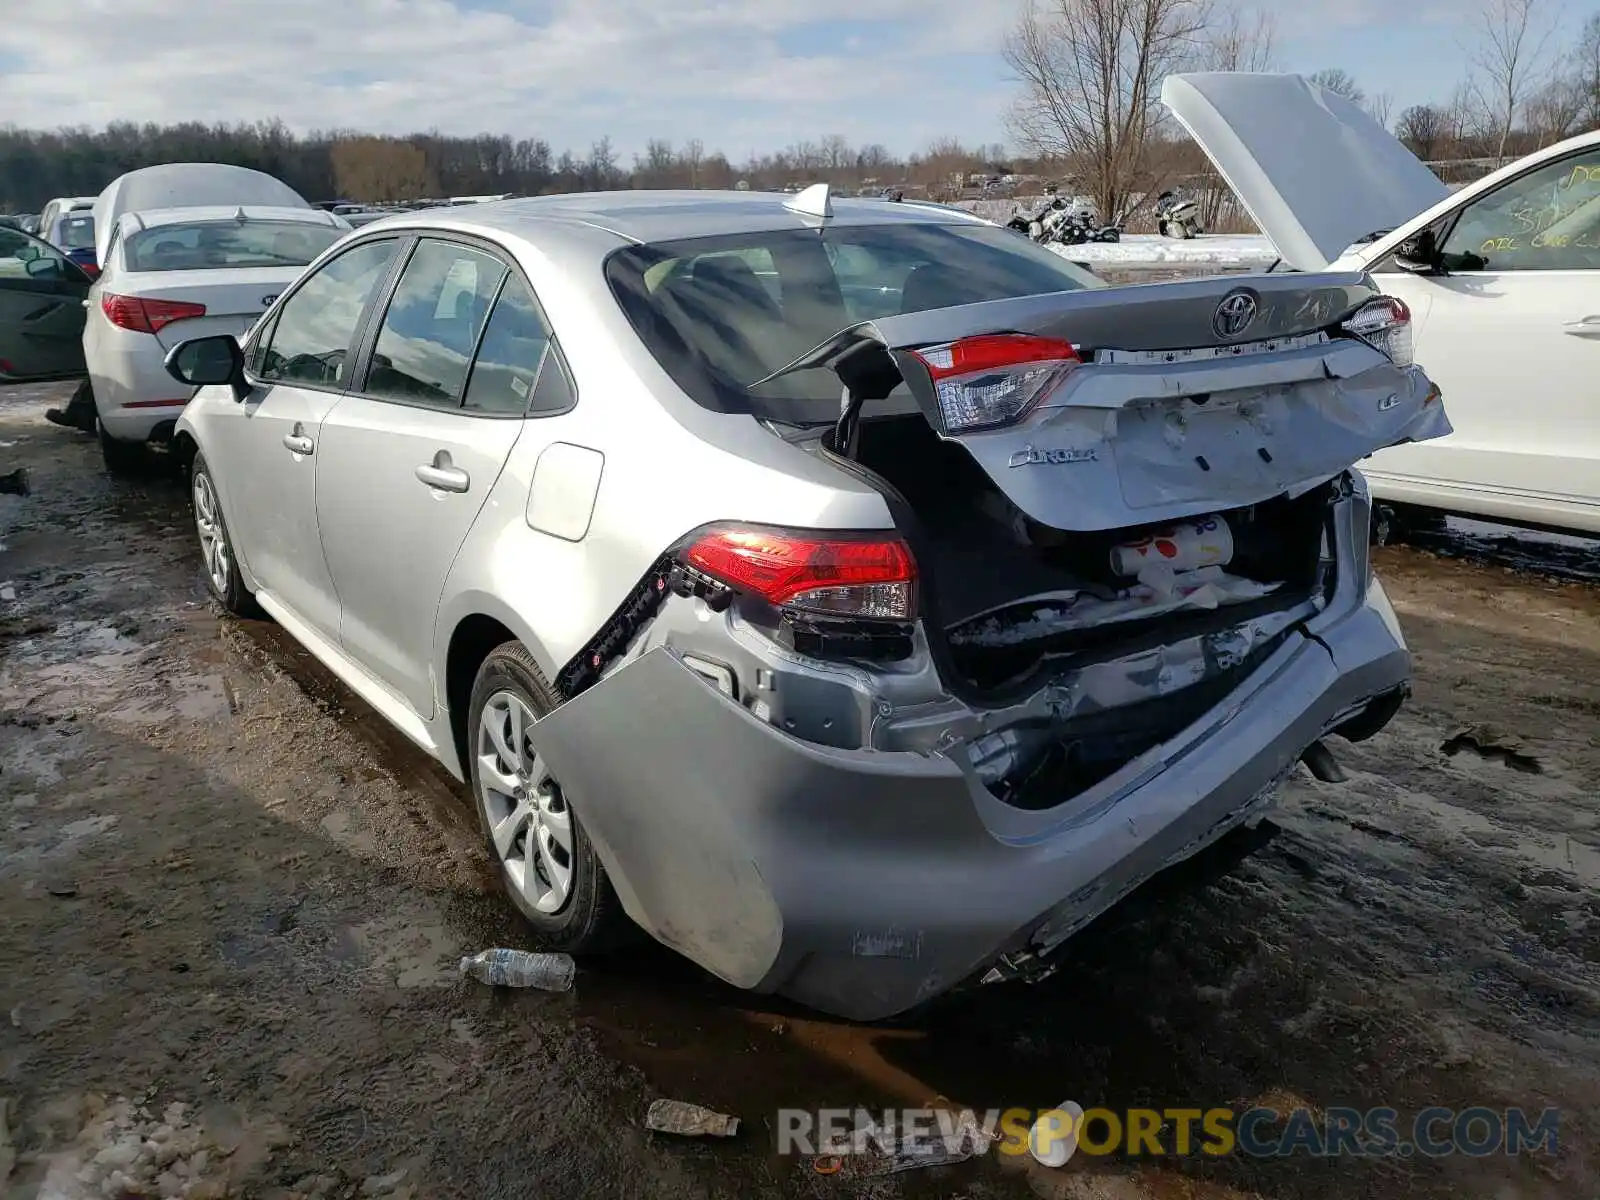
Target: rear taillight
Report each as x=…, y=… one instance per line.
x=839, y=575
x=992, y=380
x=142, y=315
x=1385, y=325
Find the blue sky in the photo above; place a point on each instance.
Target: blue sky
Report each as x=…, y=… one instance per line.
x=740, y=75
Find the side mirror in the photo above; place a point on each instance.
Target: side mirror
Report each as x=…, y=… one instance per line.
x=208, y=362
x=1419, y=255
x=41, y=268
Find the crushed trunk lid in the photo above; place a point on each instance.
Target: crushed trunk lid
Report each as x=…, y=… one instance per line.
x=1315, y=171
x=1141, y=432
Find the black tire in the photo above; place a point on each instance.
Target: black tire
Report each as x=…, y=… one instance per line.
x=121, y=458
x=231, y=592
x=591, y=920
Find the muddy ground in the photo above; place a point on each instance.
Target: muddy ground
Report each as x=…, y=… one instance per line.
x=225, y=885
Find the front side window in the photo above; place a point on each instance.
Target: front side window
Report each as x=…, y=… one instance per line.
x=1546, y=220
x=722, y=313
x=213, y=245
x=425, y=343
x=311, y=340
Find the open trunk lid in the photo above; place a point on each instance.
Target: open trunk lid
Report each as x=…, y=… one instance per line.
x=1315, y=171
x=1188, y=397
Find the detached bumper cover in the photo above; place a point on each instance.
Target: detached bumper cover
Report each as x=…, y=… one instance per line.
x=863, y=883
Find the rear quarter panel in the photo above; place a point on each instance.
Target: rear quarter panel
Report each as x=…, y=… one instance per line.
x=669, y=467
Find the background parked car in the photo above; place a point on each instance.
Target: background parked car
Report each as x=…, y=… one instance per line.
x=1502, y=278
x=41, y=310
x=175, y=274
x=74, y=233
x=53, y=211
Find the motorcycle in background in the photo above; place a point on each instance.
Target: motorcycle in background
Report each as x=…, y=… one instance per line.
x=1177, y=216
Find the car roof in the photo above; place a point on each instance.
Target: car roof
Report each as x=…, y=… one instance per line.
x=664, y=216
x=199, y=214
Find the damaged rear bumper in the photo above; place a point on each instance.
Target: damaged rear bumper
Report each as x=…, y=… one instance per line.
x=863, y=882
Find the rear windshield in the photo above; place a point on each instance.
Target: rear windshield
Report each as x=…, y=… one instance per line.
x=221, y=244
x=720, y=313
x=75, y=233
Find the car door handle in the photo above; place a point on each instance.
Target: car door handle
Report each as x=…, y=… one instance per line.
x=1588, y=327
x=299, y=443
x=444, y=476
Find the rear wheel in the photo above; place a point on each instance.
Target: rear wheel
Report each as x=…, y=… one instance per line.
x=544, y=858
x=121, y=458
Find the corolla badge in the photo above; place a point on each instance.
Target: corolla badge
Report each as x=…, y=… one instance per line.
x=1234, y=315
x=1029, y=456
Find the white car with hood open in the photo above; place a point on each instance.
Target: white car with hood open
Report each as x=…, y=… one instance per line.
x=1501, y=277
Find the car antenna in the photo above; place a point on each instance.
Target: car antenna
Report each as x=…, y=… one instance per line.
x=813, y=202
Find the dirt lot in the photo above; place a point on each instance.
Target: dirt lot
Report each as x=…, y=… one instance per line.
x=225, y=886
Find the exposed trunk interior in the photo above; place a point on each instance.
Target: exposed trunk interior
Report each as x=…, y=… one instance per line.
x=1011, y=594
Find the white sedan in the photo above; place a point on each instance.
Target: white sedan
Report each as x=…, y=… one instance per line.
x=177, y=274
x=1502, y=278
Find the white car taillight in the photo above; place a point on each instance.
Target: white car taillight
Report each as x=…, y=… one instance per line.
x=993, y=380
x=868, y=575
x=1385, y=325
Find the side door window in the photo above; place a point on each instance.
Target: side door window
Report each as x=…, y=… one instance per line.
x=29, y=263
x=310, y=341
x=431, y=329
x=1546, y=220
x=517, y=371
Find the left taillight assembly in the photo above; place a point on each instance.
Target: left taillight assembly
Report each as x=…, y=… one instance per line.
x=995, y=379
x=144, y=315
x=850, y=576
x=1385, y=325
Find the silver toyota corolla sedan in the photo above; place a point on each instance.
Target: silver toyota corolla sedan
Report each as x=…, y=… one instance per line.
x=857, y=596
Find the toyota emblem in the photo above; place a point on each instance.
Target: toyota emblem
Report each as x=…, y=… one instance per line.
x=1234, y=315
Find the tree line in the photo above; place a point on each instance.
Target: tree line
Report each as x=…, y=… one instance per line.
x=37, y=165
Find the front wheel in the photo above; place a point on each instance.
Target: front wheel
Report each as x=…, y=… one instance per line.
x=216, y=548
x=545, y=860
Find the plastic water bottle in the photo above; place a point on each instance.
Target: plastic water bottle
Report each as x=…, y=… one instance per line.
x=521, y=969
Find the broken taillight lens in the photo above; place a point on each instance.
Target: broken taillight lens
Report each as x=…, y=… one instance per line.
x=1385, y=325
x=993, y=380
x=840, y=575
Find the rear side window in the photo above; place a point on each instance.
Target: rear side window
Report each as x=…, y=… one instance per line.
x=721, y=314
x=425, y=344
x=511, y=356
x=311, y=341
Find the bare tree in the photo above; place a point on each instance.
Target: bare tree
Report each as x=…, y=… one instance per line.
x=1090, y=73
x=1555, y=110
x=1586, y=70
x=1507, y=64
x=690, y=159
x=1423, y=127
x=1341, y=83
x=1380, y=106
x=1241, y=41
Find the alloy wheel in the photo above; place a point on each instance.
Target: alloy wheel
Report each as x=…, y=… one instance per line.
x=213, y=537
x=529, y=822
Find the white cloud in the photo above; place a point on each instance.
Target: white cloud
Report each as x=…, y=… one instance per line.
x=738, y=74
x=570, y=70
